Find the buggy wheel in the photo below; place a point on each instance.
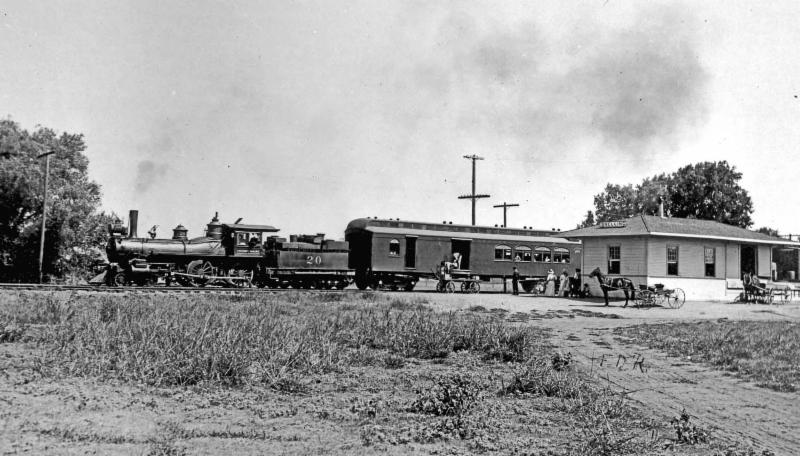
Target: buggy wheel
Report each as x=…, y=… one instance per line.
x=641, y=300
x=450, y=287
x=676, y=299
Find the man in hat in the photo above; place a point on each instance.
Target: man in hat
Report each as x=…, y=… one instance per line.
x=515, y=281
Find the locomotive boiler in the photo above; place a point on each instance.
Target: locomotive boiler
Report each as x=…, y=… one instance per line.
x=230, y=254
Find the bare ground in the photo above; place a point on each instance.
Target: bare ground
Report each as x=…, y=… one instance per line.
x=360, y=412
x=733, y=409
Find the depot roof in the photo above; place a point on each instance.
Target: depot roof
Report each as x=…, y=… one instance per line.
x=651, y=225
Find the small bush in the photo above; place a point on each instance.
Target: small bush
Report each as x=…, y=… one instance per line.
x=452, y=395
x=687, y=432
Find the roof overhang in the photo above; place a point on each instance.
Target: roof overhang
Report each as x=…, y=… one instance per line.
x=728, y=238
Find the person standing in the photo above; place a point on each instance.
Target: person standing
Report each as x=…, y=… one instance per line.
x=515, y=282
x=550, y=290
x=563, y=287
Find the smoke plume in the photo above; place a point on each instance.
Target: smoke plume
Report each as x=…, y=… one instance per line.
x=626, y=89
x=148, y=173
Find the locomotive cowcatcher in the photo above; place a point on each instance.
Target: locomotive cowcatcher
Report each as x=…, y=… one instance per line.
x=230, y=254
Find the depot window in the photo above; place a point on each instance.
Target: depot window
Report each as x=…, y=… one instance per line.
x=614, y=262
x=672, y=260
x=523, y=254
x=560, y=255
x=502, y=253
x=541, y=255
x=710, y=259
x=394, y=247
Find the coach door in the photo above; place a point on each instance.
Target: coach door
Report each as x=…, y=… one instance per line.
x=411, y=252
x=462, y=247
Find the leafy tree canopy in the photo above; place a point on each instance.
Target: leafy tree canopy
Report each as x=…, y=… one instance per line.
x=74, y=235
x=708, y=190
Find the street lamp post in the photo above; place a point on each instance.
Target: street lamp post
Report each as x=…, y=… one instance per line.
x=44, y=210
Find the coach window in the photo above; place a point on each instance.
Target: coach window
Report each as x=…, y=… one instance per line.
x=613, y=259
x=672, y=260
x=522, y=254
x=560, y=255
x=502, y=253
x=711, y=261
x=541, y=255
x=394, y=247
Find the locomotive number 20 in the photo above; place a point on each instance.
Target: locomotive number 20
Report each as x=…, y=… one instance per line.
x=311, y=259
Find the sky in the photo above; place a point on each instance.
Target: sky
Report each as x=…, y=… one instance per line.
x=307, y=114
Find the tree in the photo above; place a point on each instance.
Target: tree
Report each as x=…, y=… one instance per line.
x=73, y=226
x=588, y=221
x=708, y=190
x=768, y=231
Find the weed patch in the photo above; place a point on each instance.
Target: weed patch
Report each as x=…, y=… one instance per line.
x=767, y=352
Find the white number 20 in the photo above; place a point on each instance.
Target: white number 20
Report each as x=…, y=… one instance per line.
x=311, y=259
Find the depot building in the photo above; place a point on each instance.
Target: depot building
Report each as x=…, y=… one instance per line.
x=707, y=259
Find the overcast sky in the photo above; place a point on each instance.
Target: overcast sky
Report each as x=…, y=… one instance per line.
x=305, y=115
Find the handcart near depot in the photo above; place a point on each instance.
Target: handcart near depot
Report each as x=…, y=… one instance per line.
x=657, y=295
x=448, y=281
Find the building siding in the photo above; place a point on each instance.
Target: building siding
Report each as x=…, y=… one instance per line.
x=764, y=261
x=691, y=257
x=732, y=262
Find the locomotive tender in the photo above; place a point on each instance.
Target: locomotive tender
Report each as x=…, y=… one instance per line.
x=398, y=253
x=230, y=254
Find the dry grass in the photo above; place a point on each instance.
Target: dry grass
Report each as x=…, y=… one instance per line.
x=766, y=352
x=169, y=340
x=467, y=382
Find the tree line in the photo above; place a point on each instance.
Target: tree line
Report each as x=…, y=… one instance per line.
x=75, y=230
x=707, y=190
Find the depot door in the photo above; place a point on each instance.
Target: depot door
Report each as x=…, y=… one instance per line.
x=748, y=264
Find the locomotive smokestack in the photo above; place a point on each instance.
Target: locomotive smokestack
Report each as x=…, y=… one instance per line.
x=133, y=222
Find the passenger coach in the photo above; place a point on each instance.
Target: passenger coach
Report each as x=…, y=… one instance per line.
x=397, y=253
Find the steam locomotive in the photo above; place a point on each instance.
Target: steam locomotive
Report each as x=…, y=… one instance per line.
x=377, y=253
x=230, y=254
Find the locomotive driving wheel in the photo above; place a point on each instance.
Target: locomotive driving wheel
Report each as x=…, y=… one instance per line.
x=240, y=278
x=200, y=269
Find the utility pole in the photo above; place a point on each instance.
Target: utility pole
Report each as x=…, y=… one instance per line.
x=44, y=210
x=473, y=196
x=505, y=207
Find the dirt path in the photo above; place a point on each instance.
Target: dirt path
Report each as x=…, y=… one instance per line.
x=729, y=407
x=665, y=385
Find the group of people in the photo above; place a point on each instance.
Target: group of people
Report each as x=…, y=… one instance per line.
x=563, y=285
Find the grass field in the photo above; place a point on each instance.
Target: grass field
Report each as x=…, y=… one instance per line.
x=765, y=352
x=337, y=373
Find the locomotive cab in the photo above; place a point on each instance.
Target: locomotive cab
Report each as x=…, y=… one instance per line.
x=245, y=240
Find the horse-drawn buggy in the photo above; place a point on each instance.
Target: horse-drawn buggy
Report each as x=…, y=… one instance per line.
x=657, y=295
x=646, y=296
x=757, y=292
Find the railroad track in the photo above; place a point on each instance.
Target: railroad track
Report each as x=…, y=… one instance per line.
x=157, y=289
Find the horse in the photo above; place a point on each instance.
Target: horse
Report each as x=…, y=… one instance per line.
x=617, y=283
